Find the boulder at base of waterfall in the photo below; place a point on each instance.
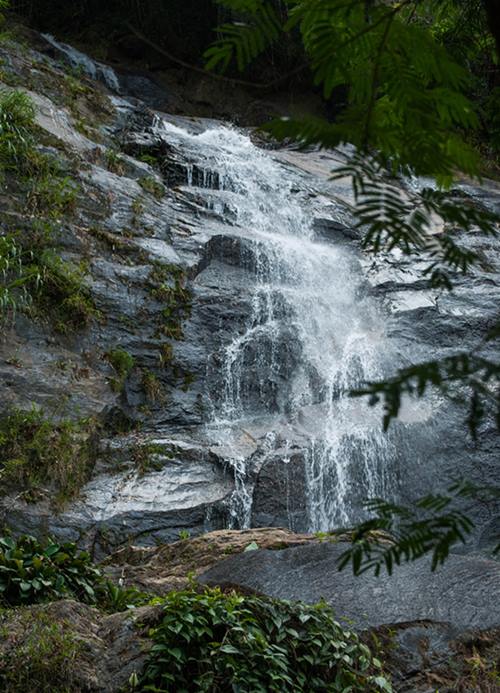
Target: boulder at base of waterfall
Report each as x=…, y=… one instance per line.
x=464, y=592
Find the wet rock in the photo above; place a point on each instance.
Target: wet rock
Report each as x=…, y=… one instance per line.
x=464, y=592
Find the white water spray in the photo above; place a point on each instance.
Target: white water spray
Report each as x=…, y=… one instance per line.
x=310, y=338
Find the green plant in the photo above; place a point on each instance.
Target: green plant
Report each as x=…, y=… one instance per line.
x=152, y=386
x=152, y=186
x=17, y=122
x=38, y=452
x=149, y=159
x=31, y=572
x=39, y=654
x=114, y=598
x=149, y=457
x=123, y=363
x=14, y=279
x=115, y=162
x=184, y=534
x=169, y=287
x=34, y=276
x=212, y=641
x=51, y=194
x=61, y=294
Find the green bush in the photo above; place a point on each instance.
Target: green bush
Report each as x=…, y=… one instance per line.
x=218, y=642
x=31, y=572
x=37, y=451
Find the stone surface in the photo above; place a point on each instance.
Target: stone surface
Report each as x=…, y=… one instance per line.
x=124, y=233
x=464, y=592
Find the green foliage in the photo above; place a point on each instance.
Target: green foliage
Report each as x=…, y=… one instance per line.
x=391, y=218
x=50, y=194
x=433, y=525
x=258, y=26
x=17, y=122
x=31, y=572
x=114, y=598
x=211, y=641
x=123, y=363
x=61, y=295
x=38, y=452
x=39, y=655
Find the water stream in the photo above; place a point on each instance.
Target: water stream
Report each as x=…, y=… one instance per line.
x=312, y=334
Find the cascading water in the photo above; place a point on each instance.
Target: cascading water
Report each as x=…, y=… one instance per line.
x=311, y=335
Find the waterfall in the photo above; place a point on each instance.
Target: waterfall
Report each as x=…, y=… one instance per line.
x=312, y=333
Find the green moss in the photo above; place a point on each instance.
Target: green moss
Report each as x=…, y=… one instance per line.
x=152, y=186
x=38, y=452
x=39, y=655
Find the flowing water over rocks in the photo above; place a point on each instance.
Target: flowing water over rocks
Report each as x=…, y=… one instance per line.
x=252, y=425
x=312, y=333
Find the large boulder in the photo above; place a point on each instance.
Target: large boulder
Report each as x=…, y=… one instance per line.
x=464, y=592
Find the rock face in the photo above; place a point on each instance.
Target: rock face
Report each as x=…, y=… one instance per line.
x=233, y=277
x=465, y=592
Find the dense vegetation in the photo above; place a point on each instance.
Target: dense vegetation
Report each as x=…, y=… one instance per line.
x=212, y=641
x=31, y=572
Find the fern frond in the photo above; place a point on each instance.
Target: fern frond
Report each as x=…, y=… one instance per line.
x=243, y=40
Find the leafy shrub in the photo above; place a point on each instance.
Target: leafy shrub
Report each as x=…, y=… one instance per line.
x=37, y=451
x=17, y=122
x=225, y=642
x=31, y=572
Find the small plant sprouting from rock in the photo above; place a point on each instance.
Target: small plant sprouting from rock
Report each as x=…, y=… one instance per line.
x=115, y=162
x=17, y=123
x=149, y=457
x=212, y=640
x=184, y=534
x=38, y=453
x=152, y=186
x=152, y=386
x=169, y=287
x=122, y=363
